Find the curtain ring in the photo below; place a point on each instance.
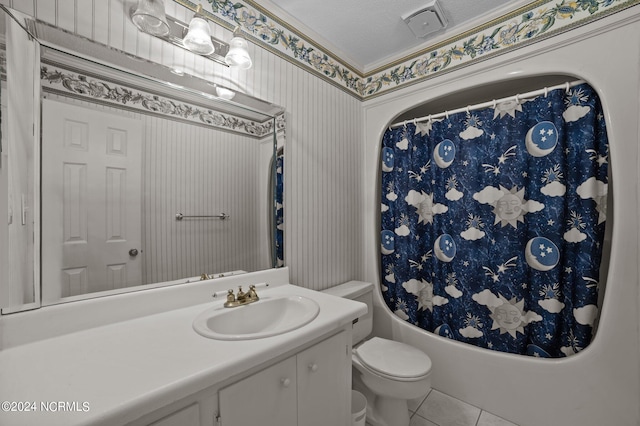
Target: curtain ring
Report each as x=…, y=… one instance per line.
x=446, y=114
x=567, y=89
x=468, y=112
x=517, y=99
x=494, y=104
x=546, y=90
x=429, y=118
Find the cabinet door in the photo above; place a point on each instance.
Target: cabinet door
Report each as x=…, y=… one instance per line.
x=267, y=398
x=189, y=416
x=324, y=383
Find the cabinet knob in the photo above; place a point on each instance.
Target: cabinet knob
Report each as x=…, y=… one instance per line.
x=313, y=367
x=285, y=382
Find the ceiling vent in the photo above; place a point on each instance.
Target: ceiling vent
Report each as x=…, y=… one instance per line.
x=426, y=20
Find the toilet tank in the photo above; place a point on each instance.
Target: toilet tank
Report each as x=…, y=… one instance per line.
x=362, y=292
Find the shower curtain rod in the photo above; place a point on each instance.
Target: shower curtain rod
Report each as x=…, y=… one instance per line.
x=493, y=103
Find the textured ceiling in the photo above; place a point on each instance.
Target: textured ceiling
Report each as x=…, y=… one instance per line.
x=370, y=33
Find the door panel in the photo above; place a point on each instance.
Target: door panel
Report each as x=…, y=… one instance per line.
x=91, y=210
x=324, y=383
x=267, y=398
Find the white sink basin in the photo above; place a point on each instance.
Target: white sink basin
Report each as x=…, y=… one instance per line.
x=264, y=318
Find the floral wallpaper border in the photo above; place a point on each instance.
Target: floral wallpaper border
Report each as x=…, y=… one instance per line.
x=60, y=80
x=535, y=21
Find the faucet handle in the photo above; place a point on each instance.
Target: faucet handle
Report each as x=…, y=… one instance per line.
x=241, y=294
x=252, y=293
x=231, y=299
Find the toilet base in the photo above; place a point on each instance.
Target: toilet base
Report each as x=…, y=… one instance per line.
x=383, y=411
x=390, y=412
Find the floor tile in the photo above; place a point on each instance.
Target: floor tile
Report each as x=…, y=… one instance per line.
x=447, y=411
x=488, y=419
x=413, y=404
x=419, y=421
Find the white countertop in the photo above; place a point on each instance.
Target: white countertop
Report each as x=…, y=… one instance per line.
x=115, y=373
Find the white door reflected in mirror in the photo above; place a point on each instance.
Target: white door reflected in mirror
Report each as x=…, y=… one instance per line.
x=91, y=190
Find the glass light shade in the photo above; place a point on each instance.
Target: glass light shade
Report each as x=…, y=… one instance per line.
x=225, y=93
x=238, y=55
x=149, y=17
x=198, y=38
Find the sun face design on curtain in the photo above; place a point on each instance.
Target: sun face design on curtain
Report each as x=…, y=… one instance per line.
x=492, y=223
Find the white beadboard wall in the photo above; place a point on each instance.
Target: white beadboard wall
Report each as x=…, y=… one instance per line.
x=323, y=152
x=198, y=171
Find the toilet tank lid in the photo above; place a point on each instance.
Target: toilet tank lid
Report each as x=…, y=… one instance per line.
x=350, y=289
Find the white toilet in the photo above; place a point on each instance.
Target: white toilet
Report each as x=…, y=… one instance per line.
x=388, y=373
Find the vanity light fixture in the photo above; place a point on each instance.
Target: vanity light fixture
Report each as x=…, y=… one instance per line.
x=149, y=17
x=238, y=55
x=198, y=38
x=195, y=37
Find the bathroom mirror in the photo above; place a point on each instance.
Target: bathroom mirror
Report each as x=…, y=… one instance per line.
x=145, y=176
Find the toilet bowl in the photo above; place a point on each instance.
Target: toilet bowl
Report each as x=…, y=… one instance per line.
x=387, y=372
x=393, y=373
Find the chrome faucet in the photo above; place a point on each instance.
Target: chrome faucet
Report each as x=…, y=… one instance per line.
x=241, y=298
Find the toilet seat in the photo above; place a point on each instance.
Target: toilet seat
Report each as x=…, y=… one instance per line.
x=393, y=360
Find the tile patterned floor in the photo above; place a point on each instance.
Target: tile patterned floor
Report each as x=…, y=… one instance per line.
x=438, y=409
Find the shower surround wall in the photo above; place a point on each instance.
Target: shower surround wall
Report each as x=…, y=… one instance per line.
x=323, y=159
x=601, y=384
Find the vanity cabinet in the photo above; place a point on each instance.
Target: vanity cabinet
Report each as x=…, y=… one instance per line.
x=188, y=416
x=311, y=388
x=267, y=398
x=196, y=410
x=324, y=382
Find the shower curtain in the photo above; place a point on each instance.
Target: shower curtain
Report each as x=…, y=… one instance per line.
x=279, y=209
x=493, y=222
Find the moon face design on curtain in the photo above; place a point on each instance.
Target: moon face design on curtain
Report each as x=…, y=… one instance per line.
x=492, y=223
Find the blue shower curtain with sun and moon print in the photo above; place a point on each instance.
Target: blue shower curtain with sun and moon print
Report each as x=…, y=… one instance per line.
x=493, y=223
